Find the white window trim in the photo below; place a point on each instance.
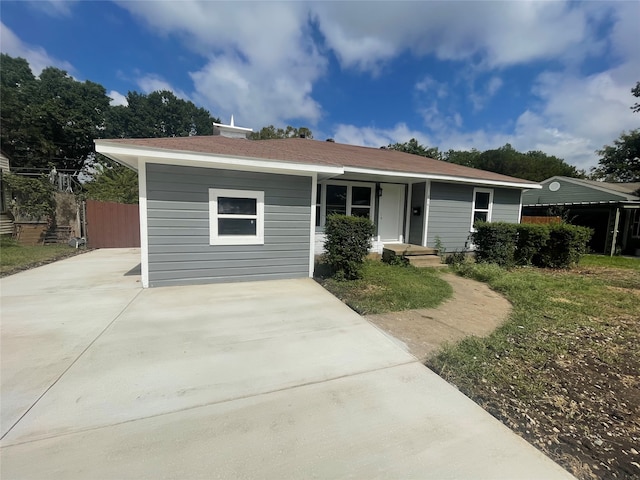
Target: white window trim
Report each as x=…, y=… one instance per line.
x=349, y=185
x=489, y=211
x=214, y=238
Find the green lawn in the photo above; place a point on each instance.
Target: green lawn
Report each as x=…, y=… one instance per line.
x=564, y=370
x=15, y=258
x=390, y=288
x=614, y=262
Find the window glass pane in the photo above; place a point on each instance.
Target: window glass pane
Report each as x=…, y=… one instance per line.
x=336, y=199
x=482, y=200
x=236, y=226
x=361, y=196
x=318, y=215
x=479, y=217
x=237, y=206
x=360, y=212
x=318, y=193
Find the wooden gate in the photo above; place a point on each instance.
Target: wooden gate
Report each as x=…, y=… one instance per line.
x=112, y=225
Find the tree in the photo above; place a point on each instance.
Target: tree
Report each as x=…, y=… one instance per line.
x=415, y=148
x=533, y=165
x=113, y=183
x=271, y=132
x=48, y=120
x=635, y=91
x=621, y=161
x=158, y=114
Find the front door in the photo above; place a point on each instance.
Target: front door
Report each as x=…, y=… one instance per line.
x=390, y=213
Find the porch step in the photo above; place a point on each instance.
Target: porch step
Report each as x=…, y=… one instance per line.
x=407, y=250
x=426, y=261
x=416, y=255
x=59, y=234
x=6, y=224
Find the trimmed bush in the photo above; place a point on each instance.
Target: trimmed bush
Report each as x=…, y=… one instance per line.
x=566, y=244
x=347, y=244
x=532, y=238
x=495, y=243
x=550, y=246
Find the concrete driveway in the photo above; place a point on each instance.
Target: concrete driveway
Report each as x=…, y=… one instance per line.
x=101, y=379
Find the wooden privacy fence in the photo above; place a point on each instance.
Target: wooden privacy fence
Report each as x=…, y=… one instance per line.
x=541, y=220
x=112, y=225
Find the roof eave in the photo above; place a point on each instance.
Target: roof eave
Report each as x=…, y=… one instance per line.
x=130, y=155
x=444, y=178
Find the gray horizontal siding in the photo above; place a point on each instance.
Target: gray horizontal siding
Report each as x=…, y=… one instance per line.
x=568, y=192
x=506, y=205
x=449, y=215
x=178, y=227
x=450, y=212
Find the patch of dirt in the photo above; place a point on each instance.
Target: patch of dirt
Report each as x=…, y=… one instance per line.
x=474, y=309
x=589, y=420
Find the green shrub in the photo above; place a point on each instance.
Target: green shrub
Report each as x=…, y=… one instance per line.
x=531, y=240
x=495, y=243
x=347, y=244
x=566, y=244
x=33, y=197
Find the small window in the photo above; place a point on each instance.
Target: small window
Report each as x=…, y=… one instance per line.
x=482, y=206
x=635, y=225
x=336, y=199
x=236, y=217
x=318, y=203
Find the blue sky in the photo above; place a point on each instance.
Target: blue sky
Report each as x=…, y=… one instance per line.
x=550, y=76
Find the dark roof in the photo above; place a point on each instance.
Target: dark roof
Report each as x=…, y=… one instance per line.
x=315, y=152
x=630, y=188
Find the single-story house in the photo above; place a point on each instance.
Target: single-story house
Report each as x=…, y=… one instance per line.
x=6, y=222
x=222, y=209
x=612, y=210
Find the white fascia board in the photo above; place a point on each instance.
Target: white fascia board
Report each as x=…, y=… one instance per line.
x=443, y=178
x=179, y=157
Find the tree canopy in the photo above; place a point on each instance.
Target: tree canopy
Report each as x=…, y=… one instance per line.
x=270, y=132
x=532, y=165
x=158, y=114
x=52, y=120
x=414, y=147
x=620, y=162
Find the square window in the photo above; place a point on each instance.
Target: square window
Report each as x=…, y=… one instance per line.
x=236, y=217
x=361, y=196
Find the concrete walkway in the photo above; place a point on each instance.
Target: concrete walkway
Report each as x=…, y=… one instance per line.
x=101, y=379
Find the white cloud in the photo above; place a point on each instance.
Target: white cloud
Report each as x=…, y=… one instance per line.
x=261, y=60
x=377, y=137
x=117, y=98
x=152, y=83
x=37, y=57
x=54, y=8
x=365, y=35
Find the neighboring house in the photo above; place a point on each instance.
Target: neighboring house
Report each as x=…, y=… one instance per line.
x=6, y=221
x=612, y=210
x=219, y=209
